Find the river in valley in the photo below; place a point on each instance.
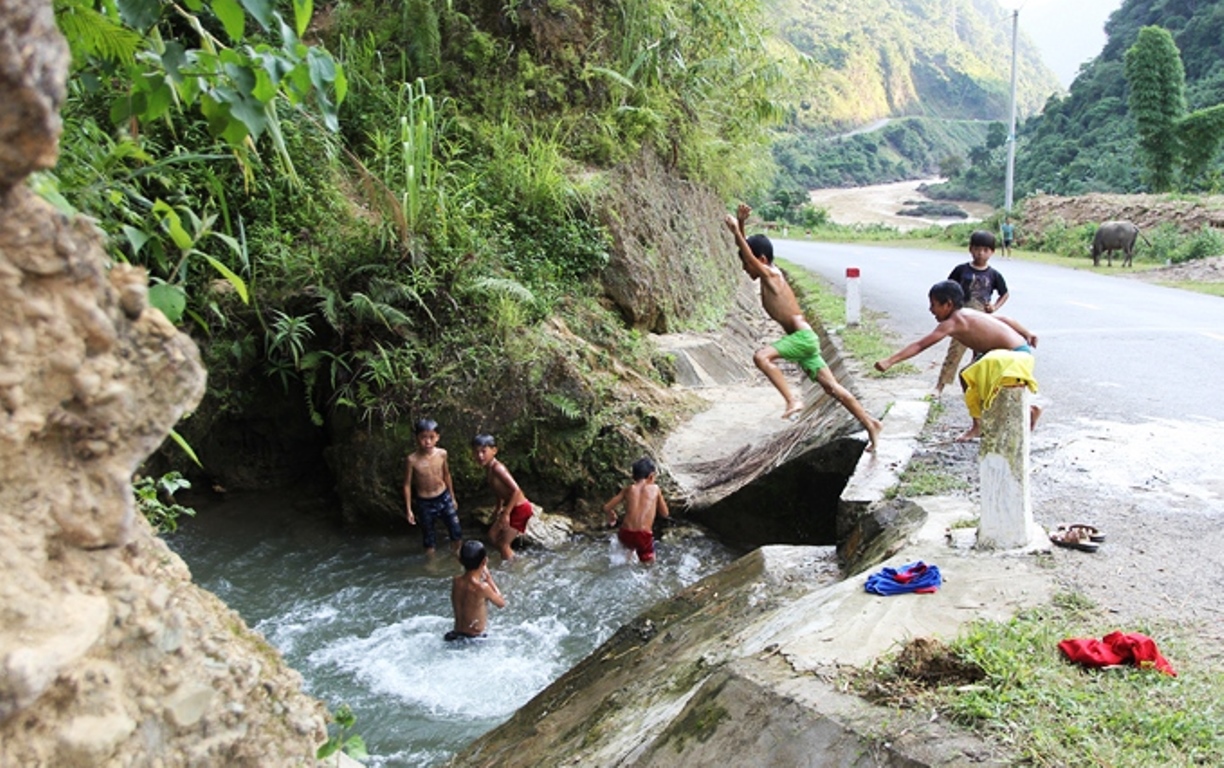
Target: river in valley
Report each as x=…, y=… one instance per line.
x=361, y=615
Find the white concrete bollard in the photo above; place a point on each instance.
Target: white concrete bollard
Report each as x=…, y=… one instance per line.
x=1003, y=471
x=854, y=297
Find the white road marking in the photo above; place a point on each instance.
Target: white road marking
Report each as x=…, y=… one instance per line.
x=1082, y=304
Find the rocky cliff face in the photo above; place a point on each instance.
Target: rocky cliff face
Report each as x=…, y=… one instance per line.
x=109, y=655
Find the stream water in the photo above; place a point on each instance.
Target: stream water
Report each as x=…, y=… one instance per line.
x=362, y=615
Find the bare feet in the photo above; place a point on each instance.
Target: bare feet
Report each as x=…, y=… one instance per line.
x=1034, y=414
x=792, y=407
x=873, y=433
x=970, y=434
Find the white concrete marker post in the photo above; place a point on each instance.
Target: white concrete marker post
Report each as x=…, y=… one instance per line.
x=854, y=298
x=1003, y=470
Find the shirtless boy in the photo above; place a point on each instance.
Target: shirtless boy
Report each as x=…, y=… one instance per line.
x=471, y=592
x=800, y=345
x=643, y=500
x=995, y=340
x=512, y=512
x=427, y=483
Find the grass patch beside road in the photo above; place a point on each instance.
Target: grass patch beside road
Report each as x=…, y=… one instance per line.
x=865, y=342
x=1052, y=712
x=1211, y=289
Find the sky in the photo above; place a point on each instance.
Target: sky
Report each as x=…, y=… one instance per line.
x=1067, y=32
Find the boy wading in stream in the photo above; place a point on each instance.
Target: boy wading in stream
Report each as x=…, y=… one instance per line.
x=427, y=483
x=800, y=345
x=471, y=592
x=643, y=500
x=513, y=510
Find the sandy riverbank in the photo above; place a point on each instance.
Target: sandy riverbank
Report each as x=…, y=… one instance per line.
x=879, y=203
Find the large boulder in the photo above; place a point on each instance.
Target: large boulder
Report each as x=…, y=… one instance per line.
x=109, y=655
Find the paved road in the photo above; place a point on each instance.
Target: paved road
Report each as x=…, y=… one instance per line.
x=1108, y=348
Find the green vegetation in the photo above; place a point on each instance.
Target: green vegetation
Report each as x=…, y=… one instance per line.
x=926, y=477
x=904, y=148
x=1156, y=78
x=1051, y=712
x=381, y=211
x=1088, y=140
x=155, y=500
x=1211, y=289
x=865, y=342
x=932, y=58
x=343, y=739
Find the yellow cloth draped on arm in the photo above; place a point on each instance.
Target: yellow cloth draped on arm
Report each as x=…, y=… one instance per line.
x=997, y=369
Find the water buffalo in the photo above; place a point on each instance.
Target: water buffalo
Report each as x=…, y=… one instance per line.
x=1114, y=236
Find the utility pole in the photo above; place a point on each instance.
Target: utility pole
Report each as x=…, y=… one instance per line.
x=1011, y=133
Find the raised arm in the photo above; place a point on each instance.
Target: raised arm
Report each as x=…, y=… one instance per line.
x=752, y=264
x=491, y=592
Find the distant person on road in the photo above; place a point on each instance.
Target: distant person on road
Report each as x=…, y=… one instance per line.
x=1008, y=231
x=427, y=484
x=643, y=500
x=980, y=282
x=471, y=592
x=1003, y=351
x=513, y=510
x=800, y=345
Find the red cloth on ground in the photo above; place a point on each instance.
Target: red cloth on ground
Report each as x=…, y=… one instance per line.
x=1116, y=648
x=520, y=515
x=641, y=542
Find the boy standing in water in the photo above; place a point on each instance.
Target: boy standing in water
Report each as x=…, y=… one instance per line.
x=471, y=592
x=1003, y=351
x=512, y=512
x=427, y=481
x=643, y=500
x=800, y=345
x=980, y=282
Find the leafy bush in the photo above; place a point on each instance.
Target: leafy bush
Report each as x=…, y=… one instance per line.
x=155, y=500
x=1204, y=244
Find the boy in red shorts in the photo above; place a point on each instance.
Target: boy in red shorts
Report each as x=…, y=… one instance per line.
x=512, y=512
x=642, y=499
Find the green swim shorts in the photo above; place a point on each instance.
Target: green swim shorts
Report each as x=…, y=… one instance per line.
x=802, y=347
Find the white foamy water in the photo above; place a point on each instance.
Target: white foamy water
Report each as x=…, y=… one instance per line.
x=361, y=616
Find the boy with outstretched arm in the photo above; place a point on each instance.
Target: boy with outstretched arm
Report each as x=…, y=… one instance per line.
x=1003, y=350
x=513, y=510
x=427, y=484
x=980, y=283
x=471, y=592
x=800, y=345
x=643, y=500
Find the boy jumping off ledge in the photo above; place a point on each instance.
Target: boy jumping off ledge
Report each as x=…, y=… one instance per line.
x=800, y=345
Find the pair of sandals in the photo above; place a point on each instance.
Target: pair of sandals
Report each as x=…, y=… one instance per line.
x=1081, y=536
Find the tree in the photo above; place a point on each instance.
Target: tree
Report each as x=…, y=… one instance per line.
x=1157, y=102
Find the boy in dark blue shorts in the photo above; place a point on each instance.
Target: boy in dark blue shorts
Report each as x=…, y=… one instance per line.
x=427, y=485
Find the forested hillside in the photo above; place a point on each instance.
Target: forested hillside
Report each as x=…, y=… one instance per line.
x=944, y=65
x=890, y=58
x=1086, y=141
x=368, y=212
x=375, y=211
